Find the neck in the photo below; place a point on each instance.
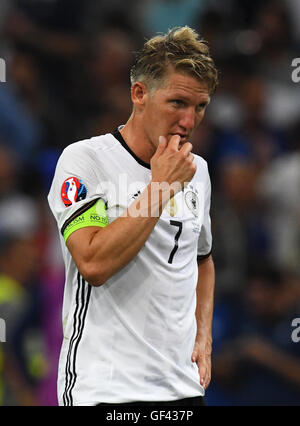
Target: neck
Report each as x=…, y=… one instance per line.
x=136, y=138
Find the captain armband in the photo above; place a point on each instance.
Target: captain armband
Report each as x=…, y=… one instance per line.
x=94, y=216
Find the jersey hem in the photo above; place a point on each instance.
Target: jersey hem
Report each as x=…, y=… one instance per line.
x=136, y=401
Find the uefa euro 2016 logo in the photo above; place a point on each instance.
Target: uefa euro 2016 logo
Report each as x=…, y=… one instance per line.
x=72, y=190
x=2, y=71
x=2, y=331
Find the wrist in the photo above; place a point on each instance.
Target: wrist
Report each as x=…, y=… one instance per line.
x=161, y=193
x=204, y=340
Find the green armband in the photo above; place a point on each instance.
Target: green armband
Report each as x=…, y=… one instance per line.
x=94, y=216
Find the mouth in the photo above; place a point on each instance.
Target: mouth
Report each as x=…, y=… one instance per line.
x=183, y=137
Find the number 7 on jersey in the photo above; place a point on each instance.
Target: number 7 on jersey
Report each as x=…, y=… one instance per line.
x=175, y=248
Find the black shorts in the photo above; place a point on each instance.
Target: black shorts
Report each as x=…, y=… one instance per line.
x=196, y=401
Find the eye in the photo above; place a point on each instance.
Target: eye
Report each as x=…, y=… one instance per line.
x=200, y=107
x=177, y=102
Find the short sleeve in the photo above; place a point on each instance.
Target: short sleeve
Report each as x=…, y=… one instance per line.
x=76, y=184
x=205, y=237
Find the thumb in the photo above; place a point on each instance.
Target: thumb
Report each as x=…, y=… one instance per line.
x=161, y=145
x=194, y=356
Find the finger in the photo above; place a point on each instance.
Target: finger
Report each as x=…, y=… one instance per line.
x=190, y=157
x=186, y=149
x=205, y=379
x=174, y=142
x=207, y=382
x=202, y=374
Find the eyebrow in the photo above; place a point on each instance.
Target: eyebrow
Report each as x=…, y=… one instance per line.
x=184, y=98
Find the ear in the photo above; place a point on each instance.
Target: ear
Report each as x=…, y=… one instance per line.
x=139, y=94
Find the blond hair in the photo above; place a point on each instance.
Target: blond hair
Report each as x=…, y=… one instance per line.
x=180, y=49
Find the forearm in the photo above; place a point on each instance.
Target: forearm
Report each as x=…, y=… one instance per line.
x=204, y=312
x=112, y=248
x=205, y=301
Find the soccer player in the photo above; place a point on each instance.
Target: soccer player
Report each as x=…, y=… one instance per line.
x=132, y=209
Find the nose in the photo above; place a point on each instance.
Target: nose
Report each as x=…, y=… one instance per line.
x=188, y=119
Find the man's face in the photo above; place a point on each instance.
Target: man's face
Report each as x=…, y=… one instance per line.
x=176, y=108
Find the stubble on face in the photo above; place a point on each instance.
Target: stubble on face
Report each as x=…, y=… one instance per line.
x=163, y=117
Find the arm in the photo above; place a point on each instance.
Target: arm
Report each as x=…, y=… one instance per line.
x=101, y=252
x=204, y=312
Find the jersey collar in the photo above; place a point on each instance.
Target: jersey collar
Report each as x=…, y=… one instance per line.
x=120, y=138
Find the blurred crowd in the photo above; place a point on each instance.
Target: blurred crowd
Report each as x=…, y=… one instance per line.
x=68, y=79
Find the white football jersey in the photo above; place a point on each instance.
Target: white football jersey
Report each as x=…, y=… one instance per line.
x=130, y=339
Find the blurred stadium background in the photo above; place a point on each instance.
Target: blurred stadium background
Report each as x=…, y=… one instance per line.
x=68, y=79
